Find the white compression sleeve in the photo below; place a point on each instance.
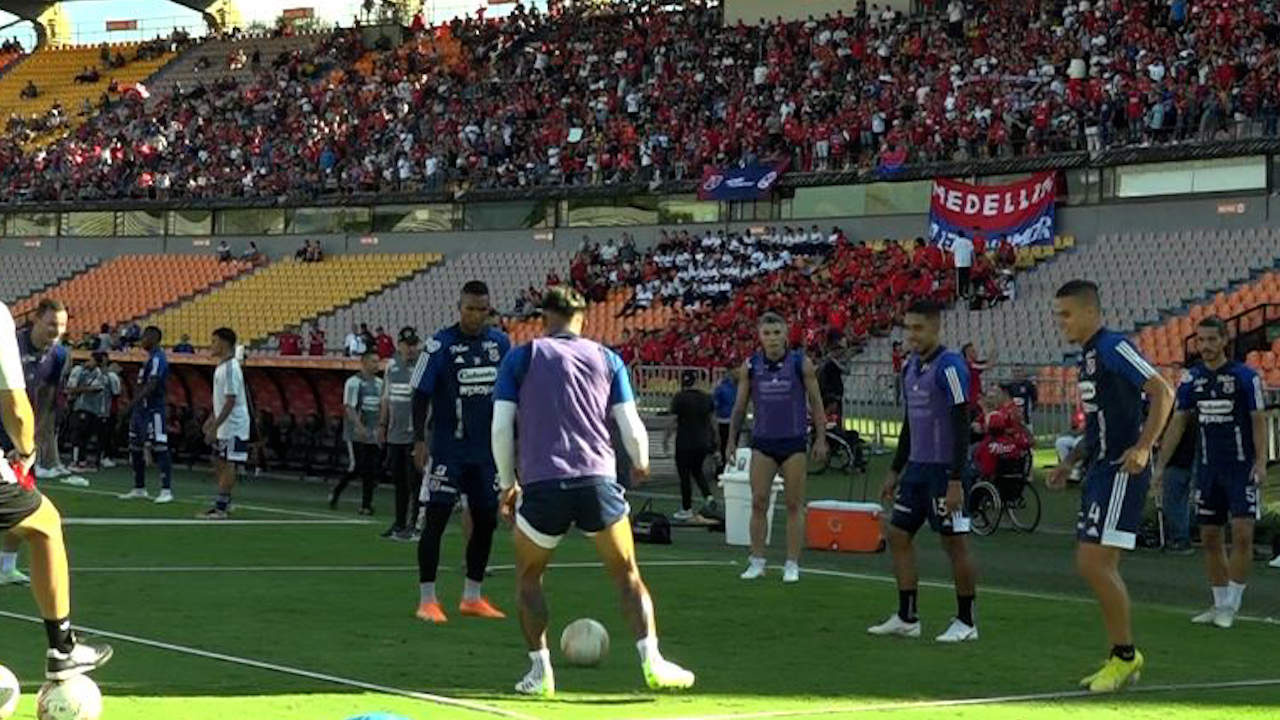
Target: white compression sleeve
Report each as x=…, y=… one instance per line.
x=503, y=441
x=634, y=436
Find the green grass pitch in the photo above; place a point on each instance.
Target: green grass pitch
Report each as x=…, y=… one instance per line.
x=307, y=615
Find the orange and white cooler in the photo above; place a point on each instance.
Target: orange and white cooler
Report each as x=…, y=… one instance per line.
x=844, y=526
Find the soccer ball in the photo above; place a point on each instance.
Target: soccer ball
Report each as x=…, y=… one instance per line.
x=10, y=691
x=584, y=642
x=74, y=699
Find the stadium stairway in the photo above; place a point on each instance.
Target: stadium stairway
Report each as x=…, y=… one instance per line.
x=53, y=71
x=131, y=286
x=1142, y=276
x=29, y=274
x=1164, y=343
x=428, y=301
x=288, y=293
x=183, y=68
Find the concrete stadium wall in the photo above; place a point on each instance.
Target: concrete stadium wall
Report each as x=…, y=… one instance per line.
x=1085, y=222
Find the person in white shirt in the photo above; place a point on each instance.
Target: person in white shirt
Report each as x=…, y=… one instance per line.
x=354, y=343
x=227, y=430
x=962, y=253
x=33, y=519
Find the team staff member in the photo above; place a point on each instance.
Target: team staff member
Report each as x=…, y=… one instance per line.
x=362, y=400
x=695, y=437
x=395, y=430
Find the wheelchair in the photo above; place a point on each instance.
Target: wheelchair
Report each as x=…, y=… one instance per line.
x=1010, y=493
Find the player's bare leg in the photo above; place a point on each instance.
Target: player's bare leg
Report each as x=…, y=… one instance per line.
x=224, y=472
x=762, y=471
x=531, y=603
x=51, y=586
x=1228, y=573
x=965, y=575
x=1100, y=567
x=794, y=473
x=616, y=547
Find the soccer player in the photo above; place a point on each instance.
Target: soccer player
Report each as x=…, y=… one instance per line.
x=44, y=361
x=146, y=411
x=454, y=383
x=559, y=391
x=395, y=430
x=227, y=430
x=1226, y=397
x=362, y=399
x=926, y=479
x=32, y=518
x=1117, y=445
x=784, y=387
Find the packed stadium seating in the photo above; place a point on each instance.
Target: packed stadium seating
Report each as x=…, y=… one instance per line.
x=27, y=274
x=53, y=72
x=530, y=79
x=287, y=293
x=210, y=61
x=1142, y=276
x=428, y=301
x=131, y=286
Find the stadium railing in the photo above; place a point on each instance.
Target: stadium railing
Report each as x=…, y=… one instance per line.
x=655, y=385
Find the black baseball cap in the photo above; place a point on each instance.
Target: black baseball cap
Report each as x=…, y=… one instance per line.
x=409, y=334
x=563, y=300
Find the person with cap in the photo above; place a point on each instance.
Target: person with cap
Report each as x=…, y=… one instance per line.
x=695, y=433
x=395, y=432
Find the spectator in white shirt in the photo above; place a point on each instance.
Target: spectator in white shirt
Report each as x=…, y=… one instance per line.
x=354, y=342
x=962, y=252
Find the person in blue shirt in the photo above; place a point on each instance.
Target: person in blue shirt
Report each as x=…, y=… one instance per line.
x=1226, y=398
x=724, y=395
x=453, y=383
x=1117, y=445
x=146, y=413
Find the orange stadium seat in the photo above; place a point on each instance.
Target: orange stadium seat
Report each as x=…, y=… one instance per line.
x=130, y=286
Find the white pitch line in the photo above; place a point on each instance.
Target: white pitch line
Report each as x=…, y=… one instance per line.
x=206, y=500
x=993, y=700
x=286, y=670
x=139, y=522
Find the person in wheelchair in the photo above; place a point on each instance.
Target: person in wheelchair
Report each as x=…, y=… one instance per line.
x=1000, y=456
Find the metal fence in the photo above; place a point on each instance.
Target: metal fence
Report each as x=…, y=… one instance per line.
x=655, y=385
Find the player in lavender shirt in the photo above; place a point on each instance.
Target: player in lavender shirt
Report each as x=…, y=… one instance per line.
x=925, y=481
x=783, y=385
x=560, y=391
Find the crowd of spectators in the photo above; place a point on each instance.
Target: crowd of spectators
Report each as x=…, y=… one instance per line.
x=595, y=95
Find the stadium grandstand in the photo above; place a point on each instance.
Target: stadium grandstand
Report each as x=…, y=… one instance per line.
x=687, y=166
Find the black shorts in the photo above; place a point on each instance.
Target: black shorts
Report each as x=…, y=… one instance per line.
x=17, y=505
x=921, y=497
x=780, y=450
x=547, y=509
x=445, y=484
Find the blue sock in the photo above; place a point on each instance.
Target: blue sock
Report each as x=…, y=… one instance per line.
x=139, y=469
x=166, y=467
x=223, y=502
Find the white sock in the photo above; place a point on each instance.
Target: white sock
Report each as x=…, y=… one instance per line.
x=1237, y=594
x=792, y=564
x=8, y=562
x=648, y=648
x=1221, y=596
x=427, y=591
x=541, y=660
x=471, y=590
x=757, y=561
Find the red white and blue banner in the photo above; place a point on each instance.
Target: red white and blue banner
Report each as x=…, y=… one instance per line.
x=748, y=183
x=1022, y=212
